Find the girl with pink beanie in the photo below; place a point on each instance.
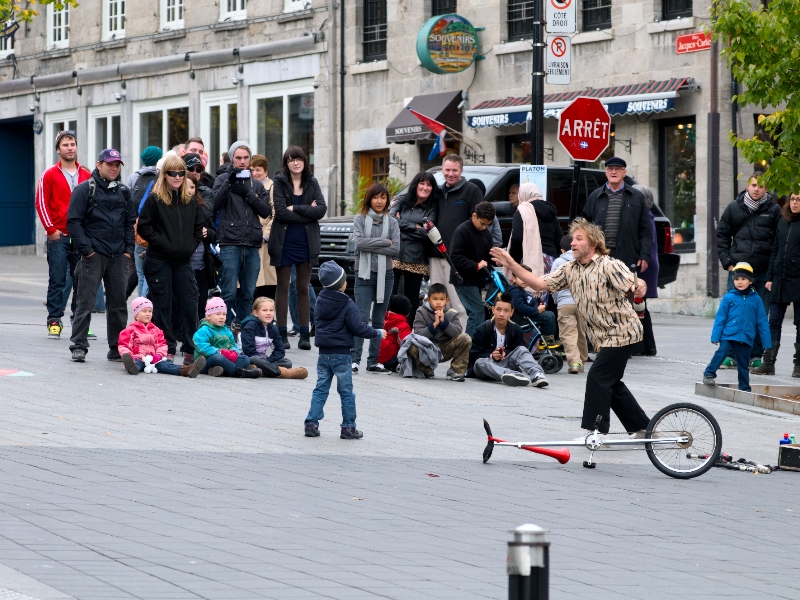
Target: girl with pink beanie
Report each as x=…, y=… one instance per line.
x=215, y=344
x=142, y=338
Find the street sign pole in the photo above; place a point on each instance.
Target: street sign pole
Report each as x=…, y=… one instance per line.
x=537, y=90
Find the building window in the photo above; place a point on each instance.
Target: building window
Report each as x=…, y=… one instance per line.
x=231, y=10
x=443, y=7
x=596, y=14
x=675, y=9
x=7, y=43
x=160, y=123
x=57, y=27
x=294, y=5
x=219, y=124
x=113, y=19
x=374, y=31
x=172, y=14
x=677, y=185
x=104, y=130
x=520, y=19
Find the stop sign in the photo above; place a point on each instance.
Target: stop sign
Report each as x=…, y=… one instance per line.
x=583, y=129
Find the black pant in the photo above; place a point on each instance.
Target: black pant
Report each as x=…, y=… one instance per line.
x=204, y=283
x=164, y=280
x=648, y=343
x=605, y=391
x=269, y=369
x=303, y=298
x=412, y=282
x=267, y=291
x=89, y=272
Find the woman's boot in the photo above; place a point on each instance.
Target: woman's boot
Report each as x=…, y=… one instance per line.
x=796, y=371
x=768, y=362
x=294, y=373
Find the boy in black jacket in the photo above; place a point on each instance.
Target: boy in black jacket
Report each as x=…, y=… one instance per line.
x=498, y=350
x=472, y=242
x=337, y=320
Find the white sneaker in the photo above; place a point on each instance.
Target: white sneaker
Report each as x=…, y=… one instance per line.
x=514, y=380
x=540, y=381
x=355, y=368
x=582, y=438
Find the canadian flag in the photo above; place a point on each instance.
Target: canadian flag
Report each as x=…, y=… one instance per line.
x=438, y=128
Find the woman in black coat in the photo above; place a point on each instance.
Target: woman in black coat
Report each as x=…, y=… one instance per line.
x=420, y=203
x=783, y=281
x=294, y=240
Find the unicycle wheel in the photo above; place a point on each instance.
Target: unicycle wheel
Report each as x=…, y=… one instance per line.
x=689, y=459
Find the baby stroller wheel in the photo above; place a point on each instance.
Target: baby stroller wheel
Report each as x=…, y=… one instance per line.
x=550, y=364
x=560, y=362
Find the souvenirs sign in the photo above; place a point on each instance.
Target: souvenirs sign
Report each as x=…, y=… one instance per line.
x=447, y=44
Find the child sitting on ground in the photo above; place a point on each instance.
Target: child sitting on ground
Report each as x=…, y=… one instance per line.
x=215, y=342
x=570, y=326
x=528, y=305
x=338, y=321
x=740, y=313
x=498, y=350
x=142, y=338
x=438, y=321
x=262, y=342
x=397, y=328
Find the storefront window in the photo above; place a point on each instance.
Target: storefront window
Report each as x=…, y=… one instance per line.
x=222, y=131
x=677, y=184
x=283, y=120
x=301, y=124
x=161, y=126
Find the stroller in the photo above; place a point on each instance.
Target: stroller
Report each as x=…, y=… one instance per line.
x=545, y=354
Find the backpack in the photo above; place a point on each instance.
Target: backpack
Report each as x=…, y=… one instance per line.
x=142, y=186
x=126, y=194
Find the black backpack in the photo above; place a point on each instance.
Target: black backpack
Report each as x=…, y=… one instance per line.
x=140, y=187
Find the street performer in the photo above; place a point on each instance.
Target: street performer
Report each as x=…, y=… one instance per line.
x=600, y=285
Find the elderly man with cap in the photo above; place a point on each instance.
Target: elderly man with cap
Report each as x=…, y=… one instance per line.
x=621, y=212
x=100, y=219
x=240, y=200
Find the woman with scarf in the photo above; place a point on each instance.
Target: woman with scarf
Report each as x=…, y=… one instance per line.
x=377, y=240
x=525, y=244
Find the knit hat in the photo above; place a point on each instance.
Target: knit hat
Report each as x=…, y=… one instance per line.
x=331, y=275
x=140, y=303
x=237, y=145
x=743, y=269
x=215, y=305
x=400, y=305
x=150, y=155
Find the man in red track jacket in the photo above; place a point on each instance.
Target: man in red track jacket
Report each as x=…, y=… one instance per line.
x=52, y=201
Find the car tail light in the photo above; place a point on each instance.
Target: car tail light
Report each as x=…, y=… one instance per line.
x=669, y=245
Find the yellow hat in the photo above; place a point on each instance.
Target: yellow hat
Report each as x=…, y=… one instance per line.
x=743, y=269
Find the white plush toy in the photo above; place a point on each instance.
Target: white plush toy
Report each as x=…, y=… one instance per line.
x=148, y=368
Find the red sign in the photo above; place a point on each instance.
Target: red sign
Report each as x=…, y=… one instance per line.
x=692, y=42
x=583, y=129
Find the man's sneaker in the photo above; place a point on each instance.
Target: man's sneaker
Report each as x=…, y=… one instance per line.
x=755, y=363
x=708, y=380
x=312, y=430
x=130, y=365
x=455, y=377
x=78, y=355
x=586, y=433
x=575, y=368
x=540, y=381
x=54, y=328
x=113, y=355
x=351, y=433
x=90, y=335
x=215, y=371
x=514, y=380
x=728, y=363
x=379, y=368
x=355, y=368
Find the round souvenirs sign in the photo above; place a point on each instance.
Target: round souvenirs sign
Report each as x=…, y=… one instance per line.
x=447, y=44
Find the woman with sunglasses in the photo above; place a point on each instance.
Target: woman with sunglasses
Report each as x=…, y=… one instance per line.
x=294, y=240
x=172, y=224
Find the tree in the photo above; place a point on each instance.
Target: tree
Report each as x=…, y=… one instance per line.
x=760, y=46
x=26, y=11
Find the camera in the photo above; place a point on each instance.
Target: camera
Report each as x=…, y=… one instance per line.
x=244, y=174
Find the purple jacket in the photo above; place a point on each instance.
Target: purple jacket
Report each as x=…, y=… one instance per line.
x=651, y=275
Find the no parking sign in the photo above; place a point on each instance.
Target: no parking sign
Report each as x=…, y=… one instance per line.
x=559, y=60
x=560, y=16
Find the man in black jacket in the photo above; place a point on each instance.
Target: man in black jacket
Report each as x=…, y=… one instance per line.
x=621, y=212
x=100, y=221
x=745, y=233
x=240, y=202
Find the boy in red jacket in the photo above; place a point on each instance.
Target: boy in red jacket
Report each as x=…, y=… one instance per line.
x=396, y=324
x=142, y=338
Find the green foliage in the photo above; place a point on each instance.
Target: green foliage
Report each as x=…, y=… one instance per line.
x=15, y=8
x=361, y=185
x=762, y=50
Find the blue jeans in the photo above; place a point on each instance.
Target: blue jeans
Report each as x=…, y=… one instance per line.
x=341, y=366
x=164, y=366
x=312, y=296
x=139, y=260
x=758, y=283
x=546, y=322
x=365, y=293
x=61, y=265
x=470, y=296
x=240, y=264
x=741, y=352
x=217, y=360
x=777, y=310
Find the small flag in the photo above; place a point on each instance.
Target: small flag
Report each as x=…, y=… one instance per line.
x=438, y=128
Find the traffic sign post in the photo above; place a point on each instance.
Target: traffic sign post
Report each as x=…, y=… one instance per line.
x=537, y=84
x=561, y=16
x=559, y=59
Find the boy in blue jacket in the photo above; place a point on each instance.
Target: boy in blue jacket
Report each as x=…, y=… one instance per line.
x=337, y=320
x=740, y=313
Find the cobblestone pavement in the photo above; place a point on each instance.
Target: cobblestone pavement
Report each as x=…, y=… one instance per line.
x=164, y=488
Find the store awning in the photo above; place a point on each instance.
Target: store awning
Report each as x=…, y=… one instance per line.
x=650, y=97
x=406, y=128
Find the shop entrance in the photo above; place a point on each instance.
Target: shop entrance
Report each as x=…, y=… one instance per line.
x=17, y=211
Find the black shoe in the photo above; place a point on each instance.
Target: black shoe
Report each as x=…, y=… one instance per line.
x=285, y=340
x=652, y=352
x=130, y=366
x=379, y=368
x=248, y=373
x=313, y=331
x=305, y=342
x=351, y=433
x=113, y=355
x=312, y=430
x=78, y=355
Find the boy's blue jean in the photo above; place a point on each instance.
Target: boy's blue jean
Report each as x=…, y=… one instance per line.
x=138, y=260
x=341, y=366
x=470, y=296
x=217, y=360
x=312, y=299
x=741, y=353
x=163, y=366
x=366, y=294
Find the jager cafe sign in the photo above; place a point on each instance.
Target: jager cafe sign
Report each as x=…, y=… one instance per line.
x=447, y=44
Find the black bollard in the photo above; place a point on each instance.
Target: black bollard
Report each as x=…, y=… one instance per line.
x=528, y=564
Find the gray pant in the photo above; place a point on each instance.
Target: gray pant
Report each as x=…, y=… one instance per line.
x=518, y=362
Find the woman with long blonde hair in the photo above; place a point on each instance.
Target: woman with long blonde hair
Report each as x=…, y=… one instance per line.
x=171, y=221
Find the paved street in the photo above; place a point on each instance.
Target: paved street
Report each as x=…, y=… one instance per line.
x=164, y=488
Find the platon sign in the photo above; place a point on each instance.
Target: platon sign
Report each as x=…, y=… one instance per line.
x=692, y=42
x=558, y=62
x=447, y=44
x=584, y=128
x=560, y=15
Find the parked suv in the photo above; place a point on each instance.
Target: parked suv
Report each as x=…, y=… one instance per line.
x=336, y=232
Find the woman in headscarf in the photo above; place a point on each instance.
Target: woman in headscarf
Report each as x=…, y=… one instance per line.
x=647, y=347
x=525, y=244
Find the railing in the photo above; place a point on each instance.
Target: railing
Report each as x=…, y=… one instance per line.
x=373, y=38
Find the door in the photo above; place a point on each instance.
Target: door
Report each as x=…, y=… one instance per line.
x=16, y=202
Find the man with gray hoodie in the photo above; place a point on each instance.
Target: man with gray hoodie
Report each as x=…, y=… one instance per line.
x=569, y=325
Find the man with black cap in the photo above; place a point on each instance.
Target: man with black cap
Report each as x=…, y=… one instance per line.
x=621, y=212
x=100, y=219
